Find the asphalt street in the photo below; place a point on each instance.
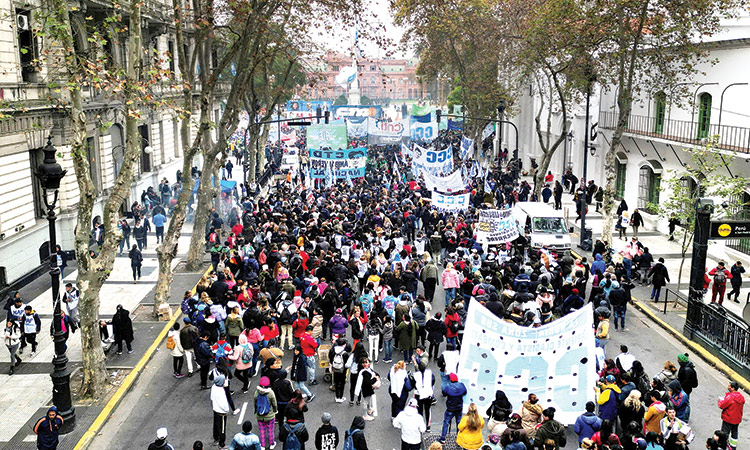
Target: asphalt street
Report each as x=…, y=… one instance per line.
x=158, y=399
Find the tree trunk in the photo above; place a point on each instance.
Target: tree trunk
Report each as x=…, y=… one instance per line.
x=205, y=197
x=608, y=203
x=540, y=172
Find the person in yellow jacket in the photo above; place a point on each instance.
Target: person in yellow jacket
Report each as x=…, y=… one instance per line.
x=607, y=394
x=470, y=429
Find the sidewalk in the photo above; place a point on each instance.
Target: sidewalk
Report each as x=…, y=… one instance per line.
x=25, y=396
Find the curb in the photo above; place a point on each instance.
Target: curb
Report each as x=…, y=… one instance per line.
x=117, y=397
x=695, y=347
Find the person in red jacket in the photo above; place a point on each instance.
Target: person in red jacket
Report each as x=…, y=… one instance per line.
x=452, y=324
x=731, y=412
x=299, y=326
x=721, y=275
x=309, y=348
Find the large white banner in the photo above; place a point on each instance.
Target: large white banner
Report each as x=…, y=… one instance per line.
x=433, y=161
x=496, y=226
x=452, y=183
x=555, y=361
x=450, y=203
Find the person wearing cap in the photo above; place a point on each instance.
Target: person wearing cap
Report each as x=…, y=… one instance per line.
x=411, y=425
x=606, y=398
x=731, y=405
x=454, y=392
x=687, y=375
x=267, y=420
x=327, y=436
x=47, y=430
x=246, y=440
x=573, y=302
x=161, y=441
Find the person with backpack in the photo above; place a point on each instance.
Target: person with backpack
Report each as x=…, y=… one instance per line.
x=354, y=437
x=246, y=440
x=243, y=356
x=264, y=401
x=327, y=436
x=452, y=325
x=294, y=435
x=287, y=312
x=338, y=355
x=175, y=349
x=721, y=275
x=687, y=375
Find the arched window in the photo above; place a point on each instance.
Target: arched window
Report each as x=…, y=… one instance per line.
x=704, y=115
x=649, y=185
x=118, y=147
x=660, y=107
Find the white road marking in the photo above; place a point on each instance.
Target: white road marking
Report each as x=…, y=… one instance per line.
x=242, y=413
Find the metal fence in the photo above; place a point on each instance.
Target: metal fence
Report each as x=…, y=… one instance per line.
x=721, y=327
x=678, y=298
x=730, y=138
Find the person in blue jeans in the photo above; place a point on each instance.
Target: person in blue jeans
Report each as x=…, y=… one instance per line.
x=659, y=278
x=159, y=220
x=454, y=404
x=387, y=339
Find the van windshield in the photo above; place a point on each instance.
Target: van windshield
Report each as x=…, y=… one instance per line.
x=549, y=225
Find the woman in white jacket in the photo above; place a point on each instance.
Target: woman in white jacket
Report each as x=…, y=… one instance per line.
x=411, y=425
x=176, y=350
x=12, y=341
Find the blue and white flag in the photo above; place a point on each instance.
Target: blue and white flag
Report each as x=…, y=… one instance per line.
x=488, y=130
x=396, y=172
x=466, y=146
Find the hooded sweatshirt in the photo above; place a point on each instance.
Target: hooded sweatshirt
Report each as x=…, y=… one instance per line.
x=219, y=400
x=260, y=390
x=607, y=400
x=653, y=416
x=598, y=264
x=731, y=407
x=455, y=392
x=411, y=425
x=680, y=401
x=47, y=430
x=358, y=434
x=550, y=429
x=338, y=324
x=586, y=425
x=327, y=437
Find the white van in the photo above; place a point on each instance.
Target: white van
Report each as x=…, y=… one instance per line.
x=542, y=225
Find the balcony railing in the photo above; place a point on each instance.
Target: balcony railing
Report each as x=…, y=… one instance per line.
x=731, y=138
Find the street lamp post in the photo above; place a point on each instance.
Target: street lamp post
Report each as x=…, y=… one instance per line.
x=50, y=173
x=590, y=78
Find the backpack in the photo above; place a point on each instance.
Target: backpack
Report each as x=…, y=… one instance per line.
x=262, y=405
x=338, y=361
x=220, y=352
x=292, y=442
x=348, y=440
x=454, y=326
x=285, y=317
x=720, y=277
x=247, y=354
x=213, y=237
x=170, y=343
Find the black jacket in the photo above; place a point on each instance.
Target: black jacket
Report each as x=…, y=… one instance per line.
x=436, y=330
x=687, y=376
x=357, y=430
x=327, y=437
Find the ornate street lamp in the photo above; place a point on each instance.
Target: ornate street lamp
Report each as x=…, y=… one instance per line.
x=50, y=173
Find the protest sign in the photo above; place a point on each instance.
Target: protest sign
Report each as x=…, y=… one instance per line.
x=496, y=226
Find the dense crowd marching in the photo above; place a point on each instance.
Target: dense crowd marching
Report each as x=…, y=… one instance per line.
x=340, y=279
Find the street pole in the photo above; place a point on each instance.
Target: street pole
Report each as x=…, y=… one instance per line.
x=582, y=200
x=698, y=262
x=50, y=173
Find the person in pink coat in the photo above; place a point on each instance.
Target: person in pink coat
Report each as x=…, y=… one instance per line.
x=243, y=357
x=451, y=282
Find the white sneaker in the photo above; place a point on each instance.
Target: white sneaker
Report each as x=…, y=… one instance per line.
x=32, y=354
x=236, y=411
x=273, y=446
x=368, y=418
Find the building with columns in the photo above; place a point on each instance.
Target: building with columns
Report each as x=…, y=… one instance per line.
x=29, y=118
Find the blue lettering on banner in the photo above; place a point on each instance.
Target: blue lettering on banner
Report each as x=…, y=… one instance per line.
x=556, y=361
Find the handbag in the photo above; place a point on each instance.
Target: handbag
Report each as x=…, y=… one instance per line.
x=377, y=383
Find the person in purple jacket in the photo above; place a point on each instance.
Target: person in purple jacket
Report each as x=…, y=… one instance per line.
x=338, y=324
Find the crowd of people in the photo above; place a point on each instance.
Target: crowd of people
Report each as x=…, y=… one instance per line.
x=340, y=283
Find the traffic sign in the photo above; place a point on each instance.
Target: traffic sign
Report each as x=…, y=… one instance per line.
x=730, y=229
